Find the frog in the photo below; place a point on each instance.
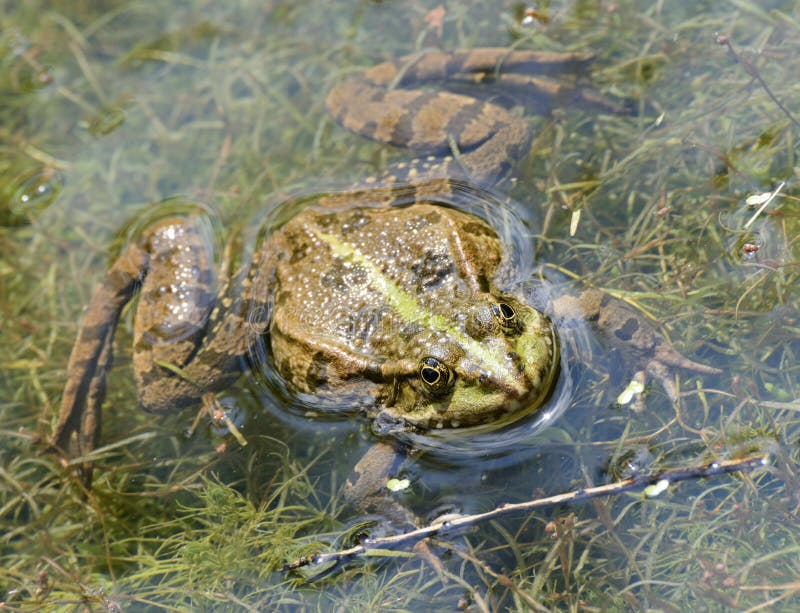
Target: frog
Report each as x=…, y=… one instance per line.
x=381, y=300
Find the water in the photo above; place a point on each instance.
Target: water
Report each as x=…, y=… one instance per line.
x=109, y=108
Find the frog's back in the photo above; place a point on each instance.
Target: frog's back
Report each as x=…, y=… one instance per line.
x=373, y=273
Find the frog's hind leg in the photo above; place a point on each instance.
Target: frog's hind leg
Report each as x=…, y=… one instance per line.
x=540, y=81
x=458, y=133
x=188, y=340
x=78, y=427
x=487, y=138
x=476, y=64
x=186, y=344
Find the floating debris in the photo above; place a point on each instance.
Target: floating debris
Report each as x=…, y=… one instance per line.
x=635, y=387
x=658, y=488
x=764, y=199
x=398, y=485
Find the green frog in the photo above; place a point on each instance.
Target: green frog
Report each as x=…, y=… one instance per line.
x=379, y=299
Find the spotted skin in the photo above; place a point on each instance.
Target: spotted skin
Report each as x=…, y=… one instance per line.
x=348, y=286
x=194, y=332
x=186, y=325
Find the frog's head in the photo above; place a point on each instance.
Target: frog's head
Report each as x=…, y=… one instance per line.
x=497, y=361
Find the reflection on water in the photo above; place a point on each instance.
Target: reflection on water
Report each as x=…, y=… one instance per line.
x=109, y=108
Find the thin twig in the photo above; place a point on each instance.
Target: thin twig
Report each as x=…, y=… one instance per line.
x=444, y=526
x=751, y=69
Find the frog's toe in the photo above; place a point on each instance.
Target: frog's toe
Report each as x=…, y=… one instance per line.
x=668, y=356
x=660, y=371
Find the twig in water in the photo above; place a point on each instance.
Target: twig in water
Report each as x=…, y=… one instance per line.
x=657, y=482
x=751, y=69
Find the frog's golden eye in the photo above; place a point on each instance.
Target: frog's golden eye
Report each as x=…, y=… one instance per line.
x=436, y=377
x=506, y=316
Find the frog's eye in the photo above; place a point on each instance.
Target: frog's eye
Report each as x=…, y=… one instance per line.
x=436, y=377
x=506, y=316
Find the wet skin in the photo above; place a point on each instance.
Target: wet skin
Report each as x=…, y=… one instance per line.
x=364, y=300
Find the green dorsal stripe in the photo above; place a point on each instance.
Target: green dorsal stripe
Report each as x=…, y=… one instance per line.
x=411, y=310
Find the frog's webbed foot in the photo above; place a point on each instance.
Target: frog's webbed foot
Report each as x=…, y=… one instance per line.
x=463, y=129
x=666, y=358
x=632, y=331
x=78, y=428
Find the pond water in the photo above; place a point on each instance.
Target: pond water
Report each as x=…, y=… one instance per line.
x=686, y=209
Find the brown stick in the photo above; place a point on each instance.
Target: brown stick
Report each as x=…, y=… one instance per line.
x=445, y=526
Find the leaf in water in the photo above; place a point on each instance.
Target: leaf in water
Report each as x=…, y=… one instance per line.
x=764, y=200
x=33, y=192
x=756, y=199
x=574, y=221
x=106, y=121
x=651, y=491
x=398, y=485
x=634, y=388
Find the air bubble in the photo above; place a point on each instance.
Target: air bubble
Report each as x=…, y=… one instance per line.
x=34, y=193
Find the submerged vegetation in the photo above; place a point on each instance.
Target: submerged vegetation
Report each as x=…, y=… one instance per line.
x=110, y=106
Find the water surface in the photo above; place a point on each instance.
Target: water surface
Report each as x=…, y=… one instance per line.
x=112, y=108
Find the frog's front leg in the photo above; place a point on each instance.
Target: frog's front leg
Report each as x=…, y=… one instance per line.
x=366, y=491
x=631, y=330
x=184, y=346
x=366, y=487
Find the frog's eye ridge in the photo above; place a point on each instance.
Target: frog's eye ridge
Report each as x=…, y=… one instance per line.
x=506, y=316
x=437, y=378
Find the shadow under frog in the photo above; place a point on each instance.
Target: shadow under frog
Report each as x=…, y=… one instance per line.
x=455, y=347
